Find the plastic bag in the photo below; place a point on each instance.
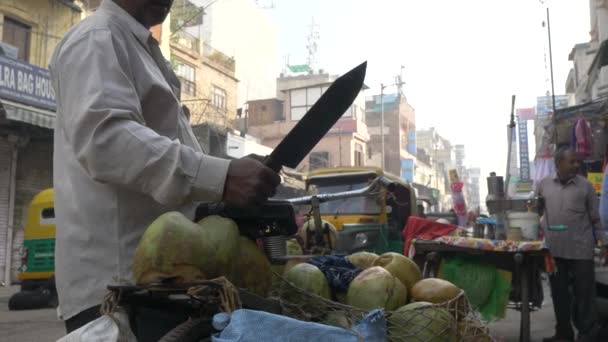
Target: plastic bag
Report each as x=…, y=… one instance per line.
x=106, y=328
x=249, y=325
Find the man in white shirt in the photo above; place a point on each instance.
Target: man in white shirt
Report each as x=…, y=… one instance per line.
x=124, y=153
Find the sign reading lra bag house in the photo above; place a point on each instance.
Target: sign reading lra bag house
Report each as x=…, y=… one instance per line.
x=26, y=84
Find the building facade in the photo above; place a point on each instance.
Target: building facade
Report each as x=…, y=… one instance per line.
x=207, y=75
x=29, y=32
x=399, y=133
x=270, y=120
x=442, y=159
x=243, y=31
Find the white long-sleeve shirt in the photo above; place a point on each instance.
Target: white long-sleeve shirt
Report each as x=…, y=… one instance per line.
x=124, y=152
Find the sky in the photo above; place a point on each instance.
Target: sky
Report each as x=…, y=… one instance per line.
x=463, y=60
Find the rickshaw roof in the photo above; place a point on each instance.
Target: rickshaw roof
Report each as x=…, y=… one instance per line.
x=352, y=171
x=43, y=197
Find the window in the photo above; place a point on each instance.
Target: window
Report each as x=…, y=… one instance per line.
x=218, y=98
x=302, y=99
x=362, y=205
x=47, y=216
x=17, y=34
x=297, y=113
x=312, y=95
x=298, y=97
x=187, y=75
x=318, y=160
x=358, y=154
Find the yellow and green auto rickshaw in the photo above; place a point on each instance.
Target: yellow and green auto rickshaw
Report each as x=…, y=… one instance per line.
x=37, y=269
x=371, y=222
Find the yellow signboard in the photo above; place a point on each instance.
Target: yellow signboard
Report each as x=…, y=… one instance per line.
x=596, y=179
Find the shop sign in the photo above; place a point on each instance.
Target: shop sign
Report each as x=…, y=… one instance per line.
x=26, y=84
x=596, y=179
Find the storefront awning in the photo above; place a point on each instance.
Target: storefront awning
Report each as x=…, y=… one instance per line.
x=30, y=115
x=587, y=110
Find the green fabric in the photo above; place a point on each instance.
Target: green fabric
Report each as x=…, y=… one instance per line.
x=486, y=287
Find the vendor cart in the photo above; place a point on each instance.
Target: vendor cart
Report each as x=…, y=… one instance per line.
x=524, y=259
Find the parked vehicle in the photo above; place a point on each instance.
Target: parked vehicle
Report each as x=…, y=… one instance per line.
x=371, y=222
x=37, y=269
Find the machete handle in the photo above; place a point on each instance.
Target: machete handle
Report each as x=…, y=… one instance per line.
x=272, y=164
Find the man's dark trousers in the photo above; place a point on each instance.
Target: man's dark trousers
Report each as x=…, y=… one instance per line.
x=573, y=293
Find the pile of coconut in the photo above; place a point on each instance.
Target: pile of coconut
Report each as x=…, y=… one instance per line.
x=177, y=249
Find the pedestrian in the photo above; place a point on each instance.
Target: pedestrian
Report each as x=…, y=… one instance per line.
x=124, y=154
x=569, y=219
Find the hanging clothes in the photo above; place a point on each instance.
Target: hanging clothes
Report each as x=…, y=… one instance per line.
x=582, y=140
x=543, y=167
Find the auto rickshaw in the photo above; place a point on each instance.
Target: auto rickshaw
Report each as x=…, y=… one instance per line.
x=372, y=221
x=37, y=269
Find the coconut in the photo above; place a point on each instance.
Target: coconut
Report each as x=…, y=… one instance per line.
x=175, y=247
x=434, y=290
x=253, y=267
x=293, y=247
x=422, y=321
x=376, y=288
x=291, y=262
x=337, y=319
x=363, y=260
x=222, y=242
x=309, y=278
x=341, y=297
x=401, y=267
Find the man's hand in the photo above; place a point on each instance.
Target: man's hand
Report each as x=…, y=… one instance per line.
x=249, y=183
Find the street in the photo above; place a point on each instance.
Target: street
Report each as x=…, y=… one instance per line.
x=43, y=326
x=27, y=326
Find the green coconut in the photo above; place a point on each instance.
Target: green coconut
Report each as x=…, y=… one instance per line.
x=363, y=260
x=293, y=247
x=402, y=267
x=341, y=297
x=175, y=247
x=309, y=278
x=422, y=321
x=376, y=288
x=254, y=269
x=337, y=319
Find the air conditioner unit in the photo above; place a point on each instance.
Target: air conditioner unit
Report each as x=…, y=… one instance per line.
x=8, y=50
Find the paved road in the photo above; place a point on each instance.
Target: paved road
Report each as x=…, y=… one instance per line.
x=43, y=326
x=27, y=326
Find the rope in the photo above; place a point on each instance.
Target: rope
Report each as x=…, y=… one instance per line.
x=228, y=294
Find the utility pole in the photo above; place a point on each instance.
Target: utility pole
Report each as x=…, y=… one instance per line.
x=382, y=121
x=340, y=144
x=551, y=62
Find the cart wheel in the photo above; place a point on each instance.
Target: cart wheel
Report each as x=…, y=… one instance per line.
x=193, y=330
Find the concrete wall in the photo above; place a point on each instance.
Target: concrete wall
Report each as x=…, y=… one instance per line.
x=243, y=31
x=264, y=112
x=49, y=20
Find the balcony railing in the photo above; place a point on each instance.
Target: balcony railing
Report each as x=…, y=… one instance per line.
x=218, y=57
x=187, y=40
